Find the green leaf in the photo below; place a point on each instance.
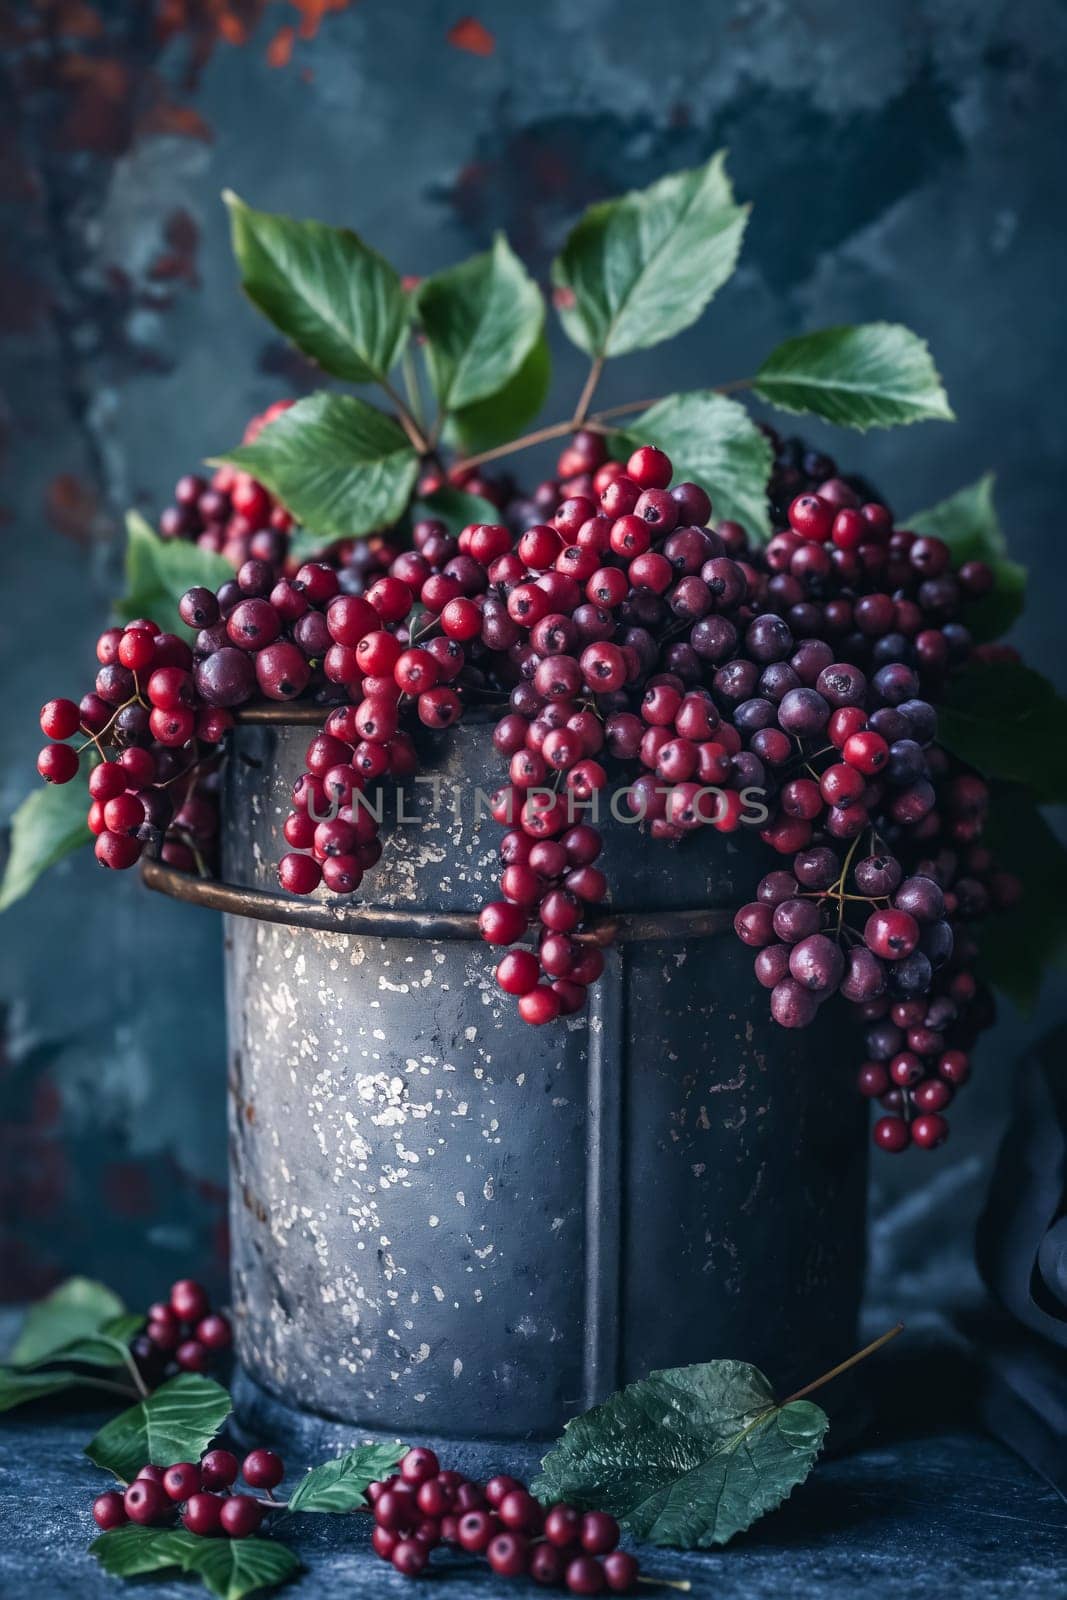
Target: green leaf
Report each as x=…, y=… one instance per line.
x=1018, y=946
x=481, y=320
x=18, y=1387
x=158, y=572
x=455, y=508
x=872, y=376
x=175, y=1423
x=335, y=298
x=78, y=1307
x=342, y=467
x=340, y=1485
x=968, y=522
x=107, y=1348
x=714, y=442
x=689, y=1456
x=636, y=270
x=231, y=1568
x=48, y=825
x=504, y=415
x=1008, y=722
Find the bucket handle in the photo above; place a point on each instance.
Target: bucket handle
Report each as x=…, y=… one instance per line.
x=384, y=922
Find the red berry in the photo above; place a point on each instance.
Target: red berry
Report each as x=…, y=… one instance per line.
x=585, y=1575
x=891, y=1133
x=649, y=468
x=384, y=1542
x=60, y=719
x=500, y=922
x=108, y=1510
x=181, y=1480
x=214, y=1332
x=410, y=1557
x=263, y=1469
x=146, y=1502
x=545, y=1565
x=541, y=1005
x=192, y=1356
x=218, y=1469
x=518, y=972
x=620, y=1570
x=475, y=1530
x=299, y=874
x=203, y=1514
x=929, y=1131
x=240, y=1516
x=188, y=1300
x=506, y=1554
x=57, y=763
x=563, y=1526
x=600, y=1533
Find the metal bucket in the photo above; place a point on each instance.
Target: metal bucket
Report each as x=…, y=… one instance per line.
x=445, y=1222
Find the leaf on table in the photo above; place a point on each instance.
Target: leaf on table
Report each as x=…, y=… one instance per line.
x=874, y=375
x=340, y=466
x=968, y=522
x=341, y=1485
x=176, y=1422
x=78, y=1307
x=230, y=1568
x=712, y=441
x=637, y=270
x=18, y=1386
x=689, y=1456
x=334, y=297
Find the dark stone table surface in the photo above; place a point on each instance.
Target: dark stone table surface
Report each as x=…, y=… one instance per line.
x=951, y=1513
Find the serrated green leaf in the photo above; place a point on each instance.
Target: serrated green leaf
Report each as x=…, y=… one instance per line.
x=875, y=375
x=689, y=1456
x=340, y=1485
x=968, y=522
x=341, y=466
x=481, y=320
x=18, y=1387
x=455, y=508
x=176, y=1422
x=77, y=1307
x=333, y=296
x=712, y=441
x=1019, y=945
x=159, y=571
x=636, y=270
x=230, y=1568
x=504, y=415
x=1008, y=721
x=48, y=825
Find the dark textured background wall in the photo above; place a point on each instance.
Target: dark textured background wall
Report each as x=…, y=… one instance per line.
x=905, y=160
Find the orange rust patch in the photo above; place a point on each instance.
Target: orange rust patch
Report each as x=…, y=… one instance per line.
x=473, y=36
x=71, y=506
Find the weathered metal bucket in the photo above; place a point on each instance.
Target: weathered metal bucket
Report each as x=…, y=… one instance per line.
x=446, y=1222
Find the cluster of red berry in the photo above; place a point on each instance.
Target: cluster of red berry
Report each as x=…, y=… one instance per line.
x=201, y=1494
x=631, y=639
x=182, y=1333
x=422, y=1506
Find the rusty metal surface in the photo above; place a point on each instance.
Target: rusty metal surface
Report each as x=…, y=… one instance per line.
x=443, y=1220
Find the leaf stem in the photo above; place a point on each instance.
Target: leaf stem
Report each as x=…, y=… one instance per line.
x=681, y=1584
x=406, y=420
x=411, y=385
x=843, y=1366
x=112, y=1388
x=585, y=399
x=597, y=422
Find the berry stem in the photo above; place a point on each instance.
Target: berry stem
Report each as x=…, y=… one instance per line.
x=415, y=434
x=843, y=1366
x=142, y=1387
